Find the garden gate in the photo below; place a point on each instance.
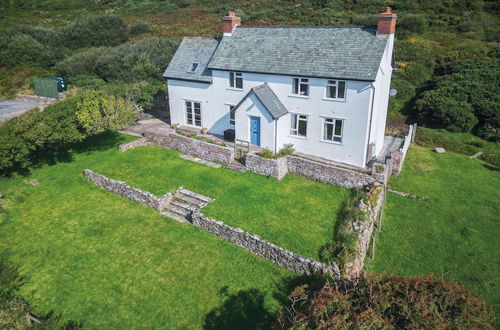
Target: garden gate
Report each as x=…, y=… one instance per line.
x=241, y=148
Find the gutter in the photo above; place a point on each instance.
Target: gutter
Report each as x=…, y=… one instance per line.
x=370, y=125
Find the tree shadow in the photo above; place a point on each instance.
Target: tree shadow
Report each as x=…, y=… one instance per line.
x=243, y=310
x=491, y=167
x=246, y=309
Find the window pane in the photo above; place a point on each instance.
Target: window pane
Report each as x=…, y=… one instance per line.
x=337, y=139
x=338, y=127
x=341, y=94
x=239, y=82
x=302, y=127
x=331, y=92
x=328, y=131
x=231, y=79
x=294, y=122
x=295, y=86
x=304, y=89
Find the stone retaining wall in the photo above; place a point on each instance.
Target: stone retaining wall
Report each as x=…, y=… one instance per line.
x=202, y=149
x=256, y=245
x=124, y=190
x=142, y=142
x=370, y=207
x=276, y=168
x=327, y=173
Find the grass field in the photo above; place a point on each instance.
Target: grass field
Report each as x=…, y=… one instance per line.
x=453, y=234
x=107, y=262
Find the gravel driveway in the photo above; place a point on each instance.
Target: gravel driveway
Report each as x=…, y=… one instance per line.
x=11, y=109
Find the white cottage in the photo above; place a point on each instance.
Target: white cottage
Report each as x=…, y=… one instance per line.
x=323, y=89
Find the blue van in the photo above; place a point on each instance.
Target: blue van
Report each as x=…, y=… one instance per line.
x=61, y=84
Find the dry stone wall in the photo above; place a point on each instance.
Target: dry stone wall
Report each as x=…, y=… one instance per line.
x=142, y=142
x=202, y=149
x=276, y=168
x=370, y=207
x=327, y=173
x=256, y=245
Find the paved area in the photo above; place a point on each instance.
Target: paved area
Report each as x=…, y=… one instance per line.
x=146, y=123
x=11, y=109
x=201, y=161
x=391, y=143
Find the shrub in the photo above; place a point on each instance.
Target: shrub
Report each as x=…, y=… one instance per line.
x=405, y=89
x=24, y=50
x=93, y=31
x=287, y=149
x=441, y=110
x=385, y=302
x=267, y=153
x=412, y=23
x=82, y=63
x=140, y=28
x=97, y=112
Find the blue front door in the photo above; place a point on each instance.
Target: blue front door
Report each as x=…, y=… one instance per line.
x=255, y=131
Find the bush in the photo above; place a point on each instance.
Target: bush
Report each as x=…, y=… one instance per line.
x=412, y=23
x=405, y=89
x=287, y=149
x=385, y=302
x=24, y=50
x=95, y=31
x=440, y=110
x=82, y=63
x=97, y=112
x=140, y=28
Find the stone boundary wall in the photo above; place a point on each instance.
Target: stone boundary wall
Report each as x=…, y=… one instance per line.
x=124, y=190
x=142, y=142
x=256, y=245
x=371, y=207
x=202, y=149
x=398, y=157
x=327, y=173
x=276, y=168
x=252, y=243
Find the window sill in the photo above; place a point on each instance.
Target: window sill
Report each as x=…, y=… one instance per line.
x=298, y=137
x=235, y=89
x=331, y=142
x=298, y=96
x=334, y=100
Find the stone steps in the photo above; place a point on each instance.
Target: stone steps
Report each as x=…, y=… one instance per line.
x=237, y=167
x=183, y=203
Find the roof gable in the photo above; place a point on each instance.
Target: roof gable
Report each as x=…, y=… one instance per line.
x=192, y=50
x=325, y=52
x=269, y=100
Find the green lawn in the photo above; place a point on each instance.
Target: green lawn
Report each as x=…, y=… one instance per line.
x=108, y=262
x=453, y=234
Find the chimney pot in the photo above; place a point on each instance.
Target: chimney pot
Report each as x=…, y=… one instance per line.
x=230, y=22
x=387, y=22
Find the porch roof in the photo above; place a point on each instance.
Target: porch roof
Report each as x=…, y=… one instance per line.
x=266, y=96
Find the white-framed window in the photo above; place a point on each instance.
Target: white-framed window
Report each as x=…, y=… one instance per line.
x=300, y=86
x=335, y=89
x=236, y=80
x=298, y=125
x=193, y=67
x=333, y=129
x=193, y=113
x=231, y=115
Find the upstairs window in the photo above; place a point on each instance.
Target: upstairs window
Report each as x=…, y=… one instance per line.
x=335, y=89
x=236, y=80
x=332, y=129
x=300, y=86
x=231, y=115
x=299, y=125
x=193, y=67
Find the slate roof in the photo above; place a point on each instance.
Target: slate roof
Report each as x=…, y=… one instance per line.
x=192, y=50
x=267, y=97
x=325, y=52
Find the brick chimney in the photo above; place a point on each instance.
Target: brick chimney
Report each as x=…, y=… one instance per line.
x=229, y=22
x=386, y=22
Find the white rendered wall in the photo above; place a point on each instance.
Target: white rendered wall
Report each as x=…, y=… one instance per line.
x=355, y=110
x=252, y=107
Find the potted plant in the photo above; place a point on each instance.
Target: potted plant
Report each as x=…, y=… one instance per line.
x=204, y=131
x=175, y=126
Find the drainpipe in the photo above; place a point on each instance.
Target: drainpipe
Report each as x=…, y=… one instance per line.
x=276, y=135
x=370, y=125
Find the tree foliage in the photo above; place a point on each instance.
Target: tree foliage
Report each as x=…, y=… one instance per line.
x=385, y=302
x=98, y=112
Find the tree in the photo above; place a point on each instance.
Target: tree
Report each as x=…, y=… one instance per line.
x=97, y=112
